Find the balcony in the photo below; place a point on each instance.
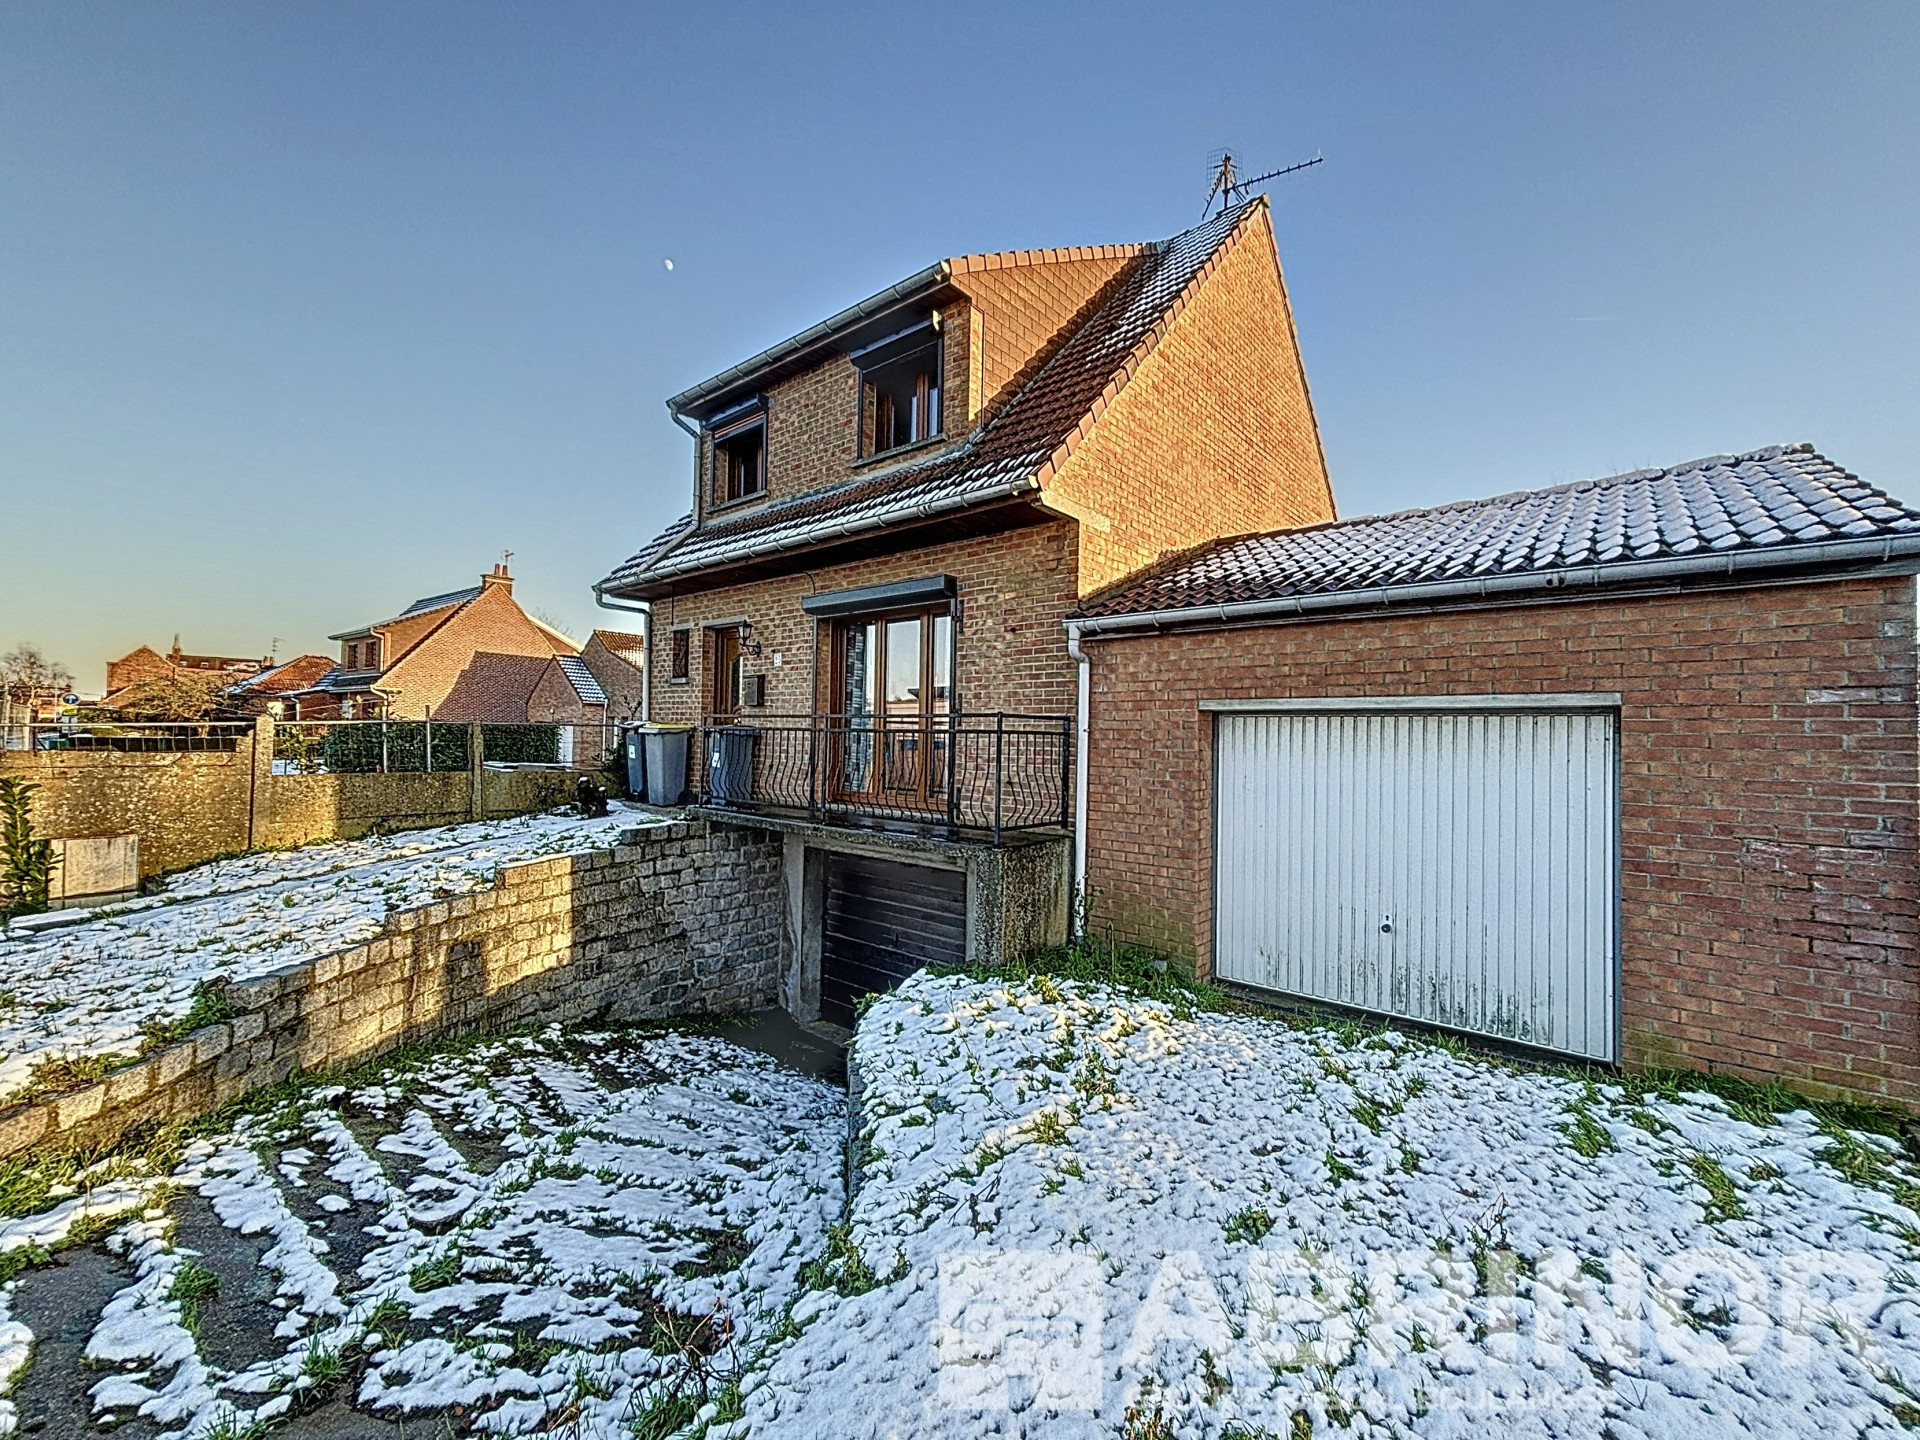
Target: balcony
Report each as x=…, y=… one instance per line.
x=992, y=773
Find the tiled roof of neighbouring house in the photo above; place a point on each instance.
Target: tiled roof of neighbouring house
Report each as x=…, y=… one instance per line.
x=342, y=681
x=581, y=678
x=994, y=462
x=439, y=602
x=1768, y=501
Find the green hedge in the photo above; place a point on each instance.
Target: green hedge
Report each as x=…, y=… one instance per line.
x=356, y=749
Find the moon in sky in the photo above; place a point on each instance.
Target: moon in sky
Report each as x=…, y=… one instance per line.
x=669, y=264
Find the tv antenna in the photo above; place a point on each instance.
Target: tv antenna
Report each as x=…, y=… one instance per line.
x=1230, y=189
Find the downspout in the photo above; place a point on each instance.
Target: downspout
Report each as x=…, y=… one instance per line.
x=644, y=609
x=1077, y=920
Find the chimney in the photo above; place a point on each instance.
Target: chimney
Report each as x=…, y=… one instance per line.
x=497, y=576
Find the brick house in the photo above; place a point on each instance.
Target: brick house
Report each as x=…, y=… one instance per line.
x=277, y=690
x=137, y=669
x=468, y=655
x=894, y=512
x=1623, y=770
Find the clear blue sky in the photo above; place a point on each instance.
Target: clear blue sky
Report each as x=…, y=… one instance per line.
x=306, y=310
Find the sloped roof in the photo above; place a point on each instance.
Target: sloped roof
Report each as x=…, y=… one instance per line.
x=439, y=602
x=1000, y=460
x=419, y=607
x=1768, y=503
x=289, y=675
x=582, y=679
x=619, y=641
x=341, y=681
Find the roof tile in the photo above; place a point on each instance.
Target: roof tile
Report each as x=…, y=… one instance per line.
x=1770, y=499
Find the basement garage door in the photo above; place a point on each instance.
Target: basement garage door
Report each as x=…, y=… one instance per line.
x=1455, y=866
x=883, y=921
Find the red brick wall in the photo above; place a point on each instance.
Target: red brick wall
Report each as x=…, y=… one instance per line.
x=490, y=624
x=1768, y=764
x=1214, y=434
x=1015, y=589
x=1024, y=307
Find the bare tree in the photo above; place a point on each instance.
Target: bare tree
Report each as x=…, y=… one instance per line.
x=26, y=669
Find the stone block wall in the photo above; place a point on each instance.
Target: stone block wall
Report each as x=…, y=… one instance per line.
x=685, y=920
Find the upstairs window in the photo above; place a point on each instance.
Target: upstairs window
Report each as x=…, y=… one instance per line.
x=900, y=391
x=740, y=460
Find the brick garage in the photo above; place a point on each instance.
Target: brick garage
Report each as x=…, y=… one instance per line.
x=1767, y=884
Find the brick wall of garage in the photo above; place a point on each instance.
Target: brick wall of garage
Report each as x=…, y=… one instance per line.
x=1769, y=904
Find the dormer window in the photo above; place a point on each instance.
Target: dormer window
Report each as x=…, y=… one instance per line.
x=740, y=460
x=900, y=391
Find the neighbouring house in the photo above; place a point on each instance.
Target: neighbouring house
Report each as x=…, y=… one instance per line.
x=591, y=694
x=277, y=691
x=1623, y=770
x=618, y=661
x=130, y=675
x=895, y=511
x=468, y=655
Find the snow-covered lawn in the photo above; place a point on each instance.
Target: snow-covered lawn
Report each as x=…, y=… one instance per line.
x=89, y=989
x=1087, y=1214
x=553, y=1233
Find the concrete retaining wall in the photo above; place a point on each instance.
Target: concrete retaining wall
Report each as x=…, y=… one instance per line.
x=686, y=920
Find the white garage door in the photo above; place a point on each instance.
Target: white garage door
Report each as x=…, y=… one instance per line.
x=1453, y=866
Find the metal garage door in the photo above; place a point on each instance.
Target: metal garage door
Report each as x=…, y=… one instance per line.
x=883, y=921
x=1455, y=867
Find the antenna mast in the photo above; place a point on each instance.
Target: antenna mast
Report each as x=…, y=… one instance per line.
x=1230, y=189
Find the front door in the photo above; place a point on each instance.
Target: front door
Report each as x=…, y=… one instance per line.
x=727, y=671
x=894, y=679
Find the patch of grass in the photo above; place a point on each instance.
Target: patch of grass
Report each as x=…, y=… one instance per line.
x=58, y=1074
x=1587, y=1136
x=210, y=1007
x=721, y=1253
x=323, y=1370
x=1249, y=1226
x=1339, y=1171
x=193, y=1287
x=442, y=1270
x=1140, y=1423
x=1723, y=1201
x=1048, y=1128
x=389, y=1321
x=1133, y=969
x=228, y=1427
x=843, y=1269
x=666, y=1416
x=21, y=1258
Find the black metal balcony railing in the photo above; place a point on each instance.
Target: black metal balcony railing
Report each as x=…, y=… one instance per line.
x=993, y=772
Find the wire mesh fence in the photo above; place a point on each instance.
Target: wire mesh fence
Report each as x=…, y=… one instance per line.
x=386, y=747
